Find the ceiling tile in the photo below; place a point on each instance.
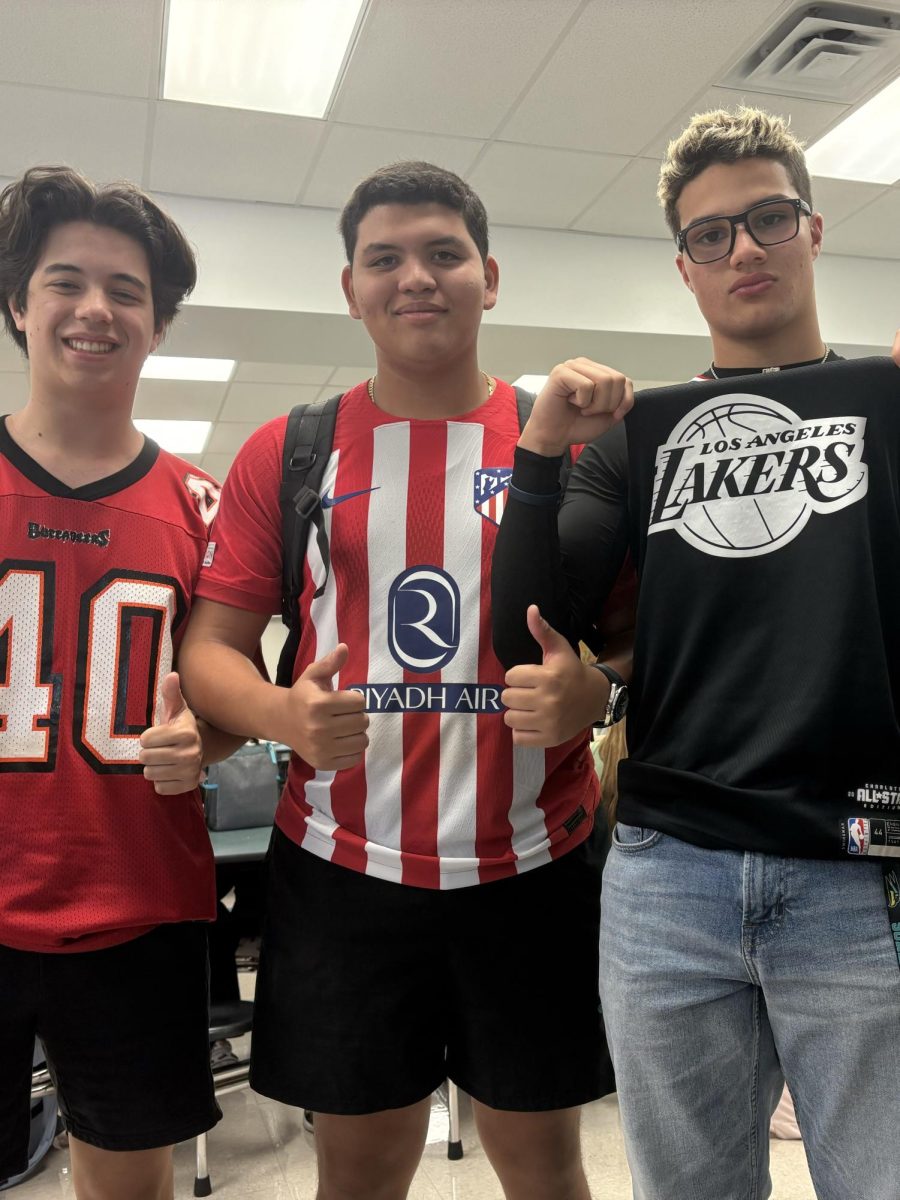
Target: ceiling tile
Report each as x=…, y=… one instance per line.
x=530, y=185
x=231, y=153
x=102, y=136
x=179, y=400
x=254, y=372
x=809, y=119
x=839, y=199
x=227, y=437
x=447, y=68
x=263, y=401
x=872, y=233
x=628, y=208
x=102, y=46
x=217, y=465
x=353, y=152
x=599, y=92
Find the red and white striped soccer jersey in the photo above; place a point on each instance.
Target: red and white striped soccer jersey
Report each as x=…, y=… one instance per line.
x=411, y=507
x=95, y=586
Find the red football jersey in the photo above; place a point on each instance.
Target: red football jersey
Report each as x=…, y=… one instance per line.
x=95, y=586
x=443, y=798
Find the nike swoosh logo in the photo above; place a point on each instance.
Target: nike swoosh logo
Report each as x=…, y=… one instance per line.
x=331, y=501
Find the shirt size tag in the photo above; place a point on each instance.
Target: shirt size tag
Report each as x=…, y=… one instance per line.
x=875, y=837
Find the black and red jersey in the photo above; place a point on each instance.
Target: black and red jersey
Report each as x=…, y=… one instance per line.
x=95, y=587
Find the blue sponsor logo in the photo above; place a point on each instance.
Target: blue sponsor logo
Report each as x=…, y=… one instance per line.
x=430, y=697
x=423, y=619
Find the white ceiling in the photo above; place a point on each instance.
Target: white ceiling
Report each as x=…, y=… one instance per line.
x=557, y=111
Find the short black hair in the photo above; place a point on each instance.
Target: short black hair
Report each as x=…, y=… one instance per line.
x=414, y=183
x=49, y=196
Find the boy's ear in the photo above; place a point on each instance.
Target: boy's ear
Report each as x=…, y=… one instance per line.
x=18, y=314
x=491, y=282
x=682, y=270
x=347, y=286
x=816, y=229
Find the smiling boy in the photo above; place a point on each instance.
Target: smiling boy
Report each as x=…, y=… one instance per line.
x=105, y=864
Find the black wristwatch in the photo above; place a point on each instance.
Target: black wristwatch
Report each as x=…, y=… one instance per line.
x=617, y=702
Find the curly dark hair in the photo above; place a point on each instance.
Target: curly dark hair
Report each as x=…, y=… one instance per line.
x=49, y=196
x=414, y=183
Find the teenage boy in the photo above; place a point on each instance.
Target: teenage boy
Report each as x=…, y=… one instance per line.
x=434, y=891
x=745, y=929
x=105, y=863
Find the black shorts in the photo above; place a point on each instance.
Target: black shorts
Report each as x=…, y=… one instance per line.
x=127, y=1039
x=371, y=993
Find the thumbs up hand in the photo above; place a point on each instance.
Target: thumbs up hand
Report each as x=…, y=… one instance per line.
x=327, y=728
x=895, y=352
x=172, y=751
x=550, y=703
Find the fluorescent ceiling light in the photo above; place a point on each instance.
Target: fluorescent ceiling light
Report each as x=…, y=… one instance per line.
x=531, y=383
x=284, y=57
x=181, y=437
x=865, y=146
x=209, y=370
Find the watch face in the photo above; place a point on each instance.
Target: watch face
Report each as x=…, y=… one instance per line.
x=619, y=705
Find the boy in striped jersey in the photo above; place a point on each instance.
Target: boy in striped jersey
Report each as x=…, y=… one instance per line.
x=434, y=887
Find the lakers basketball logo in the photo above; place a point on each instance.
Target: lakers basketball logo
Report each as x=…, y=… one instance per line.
x=741, y=475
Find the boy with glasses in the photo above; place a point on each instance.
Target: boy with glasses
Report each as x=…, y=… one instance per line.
x=751, y=894
x=434, y=890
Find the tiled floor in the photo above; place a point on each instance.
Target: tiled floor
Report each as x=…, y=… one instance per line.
x=260, y=1150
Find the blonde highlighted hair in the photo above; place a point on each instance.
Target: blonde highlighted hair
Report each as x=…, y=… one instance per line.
x=728, y=137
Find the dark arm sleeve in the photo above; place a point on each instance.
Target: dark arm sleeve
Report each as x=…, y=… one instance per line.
x=567, y=560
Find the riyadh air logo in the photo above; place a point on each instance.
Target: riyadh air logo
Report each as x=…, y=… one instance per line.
x=741, y=475
x=491, y=485
x=423, y=619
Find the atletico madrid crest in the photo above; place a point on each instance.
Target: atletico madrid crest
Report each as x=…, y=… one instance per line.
x=491, y=484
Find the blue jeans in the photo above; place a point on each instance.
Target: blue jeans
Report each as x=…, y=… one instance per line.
x=718, y=971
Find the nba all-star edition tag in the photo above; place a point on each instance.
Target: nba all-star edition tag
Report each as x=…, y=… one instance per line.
x=741, y=475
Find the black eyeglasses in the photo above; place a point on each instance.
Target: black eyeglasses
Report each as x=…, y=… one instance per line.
x=769, y=224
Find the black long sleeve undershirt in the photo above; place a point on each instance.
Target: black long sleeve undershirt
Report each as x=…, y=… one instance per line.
x=567, y=560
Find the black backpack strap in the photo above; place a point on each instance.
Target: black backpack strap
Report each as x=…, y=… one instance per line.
x=524, y=405
x=308, y=439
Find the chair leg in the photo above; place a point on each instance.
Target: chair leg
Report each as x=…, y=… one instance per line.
x=454, y=1141
x=202, y=1183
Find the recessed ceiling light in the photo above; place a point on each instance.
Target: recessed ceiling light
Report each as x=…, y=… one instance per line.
x=285, y=57
x=180, y=437
x=210, y=370
x=865, y=146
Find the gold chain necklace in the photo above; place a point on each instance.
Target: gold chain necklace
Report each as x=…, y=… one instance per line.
x=370, y=386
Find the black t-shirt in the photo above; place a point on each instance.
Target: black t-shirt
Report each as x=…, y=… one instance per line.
x=763, y=516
